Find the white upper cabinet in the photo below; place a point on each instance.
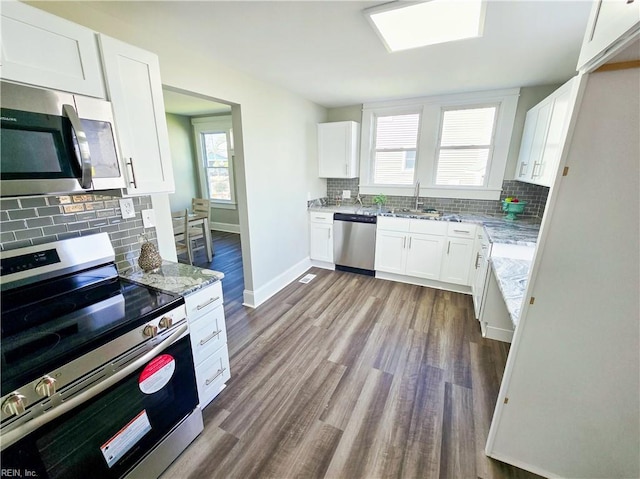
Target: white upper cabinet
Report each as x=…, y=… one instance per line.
x=613, y=24
x=545, y=130
x=135, y=89
x=43, y=50
x=338, y=149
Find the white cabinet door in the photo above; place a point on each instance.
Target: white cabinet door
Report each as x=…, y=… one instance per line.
x=523, y=169
x=44, y=50
x=135, y=89
x=338, y=149
x=424, y=256
x=611, y=26
x=457, y=261
x=321, y=242
x=544, y=134
x=391, y=251
x=545, y=173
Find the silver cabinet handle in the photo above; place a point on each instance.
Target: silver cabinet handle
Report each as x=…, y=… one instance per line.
x=83, y=145
x=448, y=247
x=217, y=375
x=210, y=337
x=207, y=303
x=522, y=166
x=409, y=242
x=18, y=433
x=477, y=259
x=461, y=231
x=404, y=242
x=346, y=170
x=535, y=165
x=133, y=173
x=329, y=232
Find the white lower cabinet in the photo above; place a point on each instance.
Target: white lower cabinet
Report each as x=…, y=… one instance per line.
x=208, y=332
x=425, y=249
x=321, y=236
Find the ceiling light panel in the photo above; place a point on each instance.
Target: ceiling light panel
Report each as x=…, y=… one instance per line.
x=405, y=25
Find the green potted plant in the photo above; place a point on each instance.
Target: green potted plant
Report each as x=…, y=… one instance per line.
x=380, y=200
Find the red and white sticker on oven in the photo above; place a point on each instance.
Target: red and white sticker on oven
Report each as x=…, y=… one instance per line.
x=157, y=374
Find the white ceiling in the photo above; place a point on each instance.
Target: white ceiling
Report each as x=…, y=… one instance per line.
x=327, y=52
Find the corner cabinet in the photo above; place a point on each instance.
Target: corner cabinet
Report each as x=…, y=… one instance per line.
x=208, y=333
x=135, y=89
x=338, y=149
x=545, y=130
x=321, y=238
x=43, y=50
x=457, y=260
x=613, y=24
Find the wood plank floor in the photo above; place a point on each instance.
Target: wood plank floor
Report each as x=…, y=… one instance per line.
x=351, y=377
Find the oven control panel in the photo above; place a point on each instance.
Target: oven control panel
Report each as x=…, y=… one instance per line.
x=49, y=390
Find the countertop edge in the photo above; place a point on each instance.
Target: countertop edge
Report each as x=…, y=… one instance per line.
x=177, y=278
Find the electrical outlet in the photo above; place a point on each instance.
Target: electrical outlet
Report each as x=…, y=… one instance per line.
x=126, y=208
x=346, y=194
x=148, y=218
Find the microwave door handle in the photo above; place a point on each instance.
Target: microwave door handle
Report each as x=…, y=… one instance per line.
x=83, y=146
x=13, y=436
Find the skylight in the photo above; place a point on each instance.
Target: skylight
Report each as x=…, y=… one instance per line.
x=405, y=25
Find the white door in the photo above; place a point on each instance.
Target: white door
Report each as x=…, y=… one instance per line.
x=391, y=251
x=424, y=256
x=457, y=261
x=135, y=89
x=321, y=242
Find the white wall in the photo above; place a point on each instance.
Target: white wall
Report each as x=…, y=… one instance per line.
x=279, y=161
x=182, y=160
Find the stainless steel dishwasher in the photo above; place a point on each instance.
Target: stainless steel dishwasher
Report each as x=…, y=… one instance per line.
x=354, y=242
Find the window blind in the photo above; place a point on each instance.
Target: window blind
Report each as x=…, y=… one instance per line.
x=466, y=143
x=396, y=144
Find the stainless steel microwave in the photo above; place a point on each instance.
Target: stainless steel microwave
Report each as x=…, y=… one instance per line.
x=55, y=143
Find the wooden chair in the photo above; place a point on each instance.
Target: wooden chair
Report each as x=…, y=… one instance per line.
x=180, y=221
x=199, y=206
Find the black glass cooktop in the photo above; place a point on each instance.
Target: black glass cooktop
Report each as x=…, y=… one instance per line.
x=49, y=324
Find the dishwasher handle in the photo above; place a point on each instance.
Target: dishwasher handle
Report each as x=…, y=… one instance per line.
x=355, y=218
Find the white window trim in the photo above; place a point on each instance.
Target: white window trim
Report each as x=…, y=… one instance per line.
x=431, y=109
x=214, y=124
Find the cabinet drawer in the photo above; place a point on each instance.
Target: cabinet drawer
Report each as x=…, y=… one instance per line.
x=212, y=375
x=393, y=224
x=429, y=227
x=321, y=217
x=203, y=300
x=208, y=334
x=461, y=230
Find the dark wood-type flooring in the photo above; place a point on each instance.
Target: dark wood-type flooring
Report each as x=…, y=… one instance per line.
x=349, y=377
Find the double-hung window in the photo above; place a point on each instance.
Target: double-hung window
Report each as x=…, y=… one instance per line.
x=213, y=137
x=396, y=148
x=465, y=146
x=455, y=146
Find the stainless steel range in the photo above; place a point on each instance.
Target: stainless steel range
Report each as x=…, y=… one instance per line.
x=97, y=372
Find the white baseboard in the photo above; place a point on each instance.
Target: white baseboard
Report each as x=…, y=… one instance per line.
x=400, y=278
x=323, y=264
x=499, y=334
x=226, y=227
x=524, y=465
x=255, y=298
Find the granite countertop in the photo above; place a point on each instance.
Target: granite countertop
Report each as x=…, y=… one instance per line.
x=523, y=231
x=177, y=278
x=512, y=275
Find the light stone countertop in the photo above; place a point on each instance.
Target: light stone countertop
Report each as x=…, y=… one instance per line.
x=523, y=231
x=177, y=278
x=511, y=275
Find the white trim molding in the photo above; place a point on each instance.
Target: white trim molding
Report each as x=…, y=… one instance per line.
x=226, y=227
x=255, y=298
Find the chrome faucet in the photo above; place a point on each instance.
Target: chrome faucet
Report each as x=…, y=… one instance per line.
x=416, y=193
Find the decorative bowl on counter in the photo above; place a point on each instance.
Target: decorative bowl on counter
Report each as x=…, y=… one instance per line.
x=512, y=209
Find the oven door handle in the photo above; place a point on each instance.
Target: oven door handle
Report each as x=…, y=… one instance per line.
x=13, y=436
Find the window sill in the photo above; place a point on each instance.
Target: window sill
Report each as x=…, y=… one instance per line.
x=433, y=192
x=223, y=205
